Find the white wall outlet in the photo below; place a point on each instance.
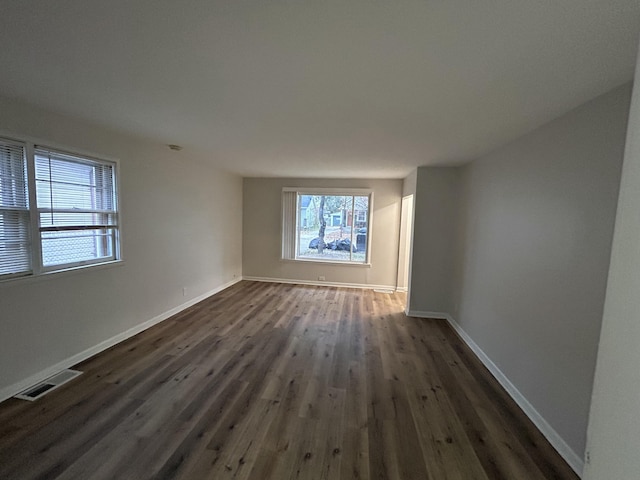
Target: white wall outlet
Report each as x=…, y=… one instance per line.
x=184, y=291
x=321, y=278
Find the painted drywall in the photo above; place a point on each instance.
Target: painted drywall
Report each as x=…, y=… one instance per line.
x=533, y=245
x=181, y=227
x=614, y=424
x=262, y=210
x=435, y=221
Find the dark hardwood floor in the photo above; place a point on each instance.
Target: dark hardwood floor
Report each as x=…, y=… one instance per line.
x=273, y=381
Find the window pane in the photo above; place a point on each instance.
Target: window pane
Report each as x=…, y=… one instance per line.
x=75, y=246
x=327, y=227
x=15, y=245
x=76, y=198
x=66, y=183
x=361, y=221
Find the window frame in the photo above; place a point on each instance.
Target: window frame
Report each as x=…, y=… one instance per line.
x=38, y=269
x=293, y=255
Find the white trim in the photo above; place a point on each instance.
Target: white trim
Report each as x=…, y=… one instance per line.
x=419, y=314
x=35, y=249
x=402, y=289
x=328, y=190
x=31, y=278
x=370, y=210
x=11, y=390
x=326, y=262
x=365, y=286
x=565, y=451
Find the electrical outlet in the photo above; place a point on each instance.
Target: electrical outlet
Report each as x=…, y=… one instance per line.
x=321, y=278
x=184, y=291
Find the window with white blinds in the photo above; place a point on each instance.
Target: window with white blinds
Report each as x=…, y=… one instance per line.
x=72, y=218
x=15, y=235
x=76, y=208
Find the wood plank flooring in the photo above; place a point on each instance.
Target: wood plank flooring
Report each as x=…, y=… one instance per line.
x=273, y=381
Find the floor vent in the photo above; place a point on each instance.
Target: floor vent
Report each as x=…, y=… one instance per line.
x=41, y=389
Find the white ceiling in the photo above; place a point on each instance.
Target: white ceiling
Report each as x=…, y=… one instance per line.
x=348, y=88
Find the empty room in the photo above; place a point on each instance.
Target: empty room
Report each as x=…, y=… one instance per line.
x=319, y=240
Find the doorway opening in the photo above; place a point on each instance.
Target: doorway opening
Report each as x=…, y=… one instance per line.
x=404, y=253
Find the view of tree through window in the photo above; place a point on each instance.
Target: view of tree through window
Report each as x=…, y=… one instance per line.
x=332, y=227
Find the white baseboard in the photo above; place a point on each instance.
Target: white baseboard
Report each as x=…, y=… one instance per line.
x=402, y=289
x=574, y=460
x=367, y=286
x=11, y=390
x=419, y=314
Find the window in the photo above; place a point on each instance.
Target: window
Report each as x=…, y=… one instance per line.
x=15, y=235
x=326, y=225
x=57, y=210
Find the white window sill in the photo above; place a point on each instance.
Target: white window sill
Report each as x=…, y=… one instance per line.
x=326, y=262
x=27, y=279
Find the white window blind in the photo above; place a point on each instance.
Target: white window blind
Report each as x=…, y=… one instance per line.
x=77, y=209
x=289, y=206
x=15, y=254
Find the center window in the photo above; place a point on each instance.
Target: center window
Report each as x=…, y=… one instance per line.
x=330, y=227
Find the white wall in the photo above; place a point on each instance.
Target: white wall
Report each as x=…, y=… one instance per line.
x=536, y=223
x=262, y=207
x=181, y=227
x=435, y=221
x=614, y=424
